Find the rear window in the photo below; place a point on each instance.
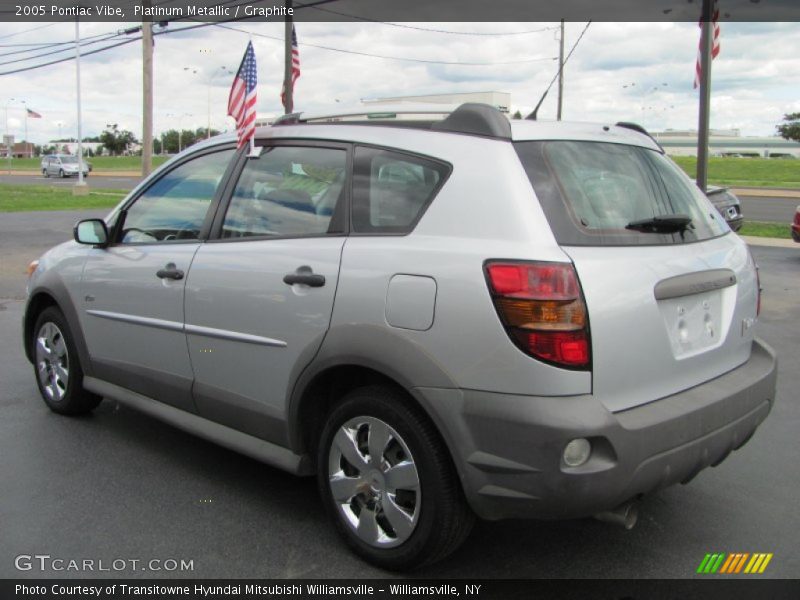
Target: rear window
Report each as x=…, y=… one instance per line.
x=592, y=191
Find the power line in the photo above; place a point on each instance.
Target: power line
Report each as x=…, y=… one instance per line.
x=430, y=29
x=321, y=47
x=401, y=58
x=27, y=30
x=60, y=60
x=70, y=44
x=128, y=41
x=59, y=51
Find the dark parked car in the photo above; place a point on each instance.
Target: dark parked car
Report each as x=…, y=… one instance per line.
x=728, y=205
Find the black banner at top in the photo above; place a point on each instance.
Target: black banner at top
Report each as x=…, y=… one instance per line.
x=393, y=10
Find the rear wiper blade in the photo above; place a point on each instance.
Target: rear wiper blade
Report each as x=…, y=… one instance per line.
x=661, y=224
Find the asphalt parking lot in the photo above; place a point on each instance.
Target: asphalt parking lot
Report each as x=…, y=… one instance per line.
x=120, y=485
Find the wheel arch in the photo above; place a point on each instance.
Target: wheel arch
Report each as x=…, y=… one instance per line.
x=57, y=296
x=320, y=388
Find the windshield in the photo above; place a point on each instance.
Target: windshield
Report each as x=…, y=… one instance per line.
x=592, y=192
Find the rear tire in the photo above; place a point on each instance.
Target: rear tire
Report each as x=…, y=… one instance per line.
x=61, y=173
x=57, y=367
x=399, y=502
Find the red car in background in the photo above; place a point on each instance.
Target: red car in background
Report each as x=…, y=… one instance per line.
x=796, y=226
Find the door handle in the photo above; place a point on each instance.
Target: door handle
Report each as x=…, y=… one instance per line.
x=170, y=271
x=305, y=276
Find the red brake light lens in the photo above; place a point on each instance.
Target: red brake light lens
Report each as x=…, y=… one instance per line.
x=543, y=310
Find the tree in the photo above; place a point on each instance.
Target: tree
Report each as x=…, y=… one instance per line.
x=175, y=140
x=517, y=115
x=202, y=133
x=117, y=141
x=790, y=130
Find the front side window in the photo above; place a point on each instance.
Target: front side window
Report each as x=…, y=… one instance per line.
x=288, y=191
x=175, y=206
x=599, y=193
x=391, y=190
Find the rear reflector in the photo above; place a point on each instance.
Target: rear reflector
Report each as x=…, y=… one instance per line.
x=543, y=310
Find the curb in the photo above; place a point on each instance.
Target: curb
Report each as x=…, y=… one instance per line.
x=752, y=240
x=765, y=192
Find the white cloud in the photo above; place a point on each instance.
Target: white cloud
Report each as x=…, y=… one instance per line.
x=755, y=79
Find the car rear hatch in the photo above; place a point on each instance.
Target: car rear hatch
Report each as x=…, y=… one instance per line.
x=671, y=293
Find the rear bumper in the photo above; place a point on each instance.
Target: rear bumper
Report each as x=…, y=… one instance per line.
x=508, y=448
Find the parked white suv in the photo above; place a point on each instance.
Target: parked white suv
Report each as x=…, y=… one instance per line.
x=440, y=318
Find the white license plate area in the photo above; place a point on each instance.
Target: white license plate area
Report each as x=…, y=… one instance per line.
x=693, y=323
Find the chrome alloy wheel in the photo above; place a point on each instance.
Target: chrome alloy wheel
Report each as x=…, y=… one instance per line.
x=52, y=361
x=374, y=482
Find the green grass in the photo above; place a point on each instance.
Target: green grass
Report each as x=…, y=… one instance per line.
x=748, y=172
x=759, y=229
x=18, y=198
x=99, y=163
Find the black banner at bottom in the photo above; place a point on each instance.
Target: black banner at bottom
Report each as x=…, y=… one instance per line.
x=376, y=589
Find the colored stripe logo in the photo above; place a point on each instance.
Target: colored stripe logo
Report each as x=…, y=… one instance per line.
x=734, y=563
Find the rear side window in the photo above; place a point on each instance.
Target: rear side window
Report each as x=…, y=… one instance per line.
x=592, y=192
x=391, y=190
x=288, y=191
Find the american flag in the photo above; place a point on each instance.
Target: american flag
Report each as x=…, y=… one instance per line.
x=295, y=72
x=698, y=71
x=242, y=99
x=33, y=114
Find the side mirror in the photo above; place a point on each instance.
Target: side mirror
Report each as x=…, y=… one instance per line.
x=91, y=231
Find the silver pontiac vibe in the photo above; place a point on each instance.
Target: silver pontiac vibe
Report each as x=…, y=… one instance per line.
x=439, y=312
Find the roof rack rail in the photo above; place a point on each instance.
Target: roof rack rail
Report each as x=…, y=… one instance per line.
x=470, y=118
x=638, y=128
x=289, y=119
x=474, y=118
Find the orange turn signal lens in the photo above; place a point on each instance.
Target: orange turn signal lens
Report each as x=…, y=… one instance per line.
x=32, y=267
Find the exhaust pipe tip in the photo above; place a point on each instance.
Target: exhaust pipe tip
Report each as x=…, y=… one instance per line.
x=626, y=515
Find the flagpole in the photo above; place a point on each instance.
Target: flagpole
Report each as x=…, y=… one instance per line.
x=27, y=142
x=705, y=95
x=288, y=92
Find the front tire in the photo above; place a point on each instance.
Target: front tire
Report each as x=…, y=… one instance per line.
x=61, y=173
x=57, y=367
x=45, y=173
x=388, y=483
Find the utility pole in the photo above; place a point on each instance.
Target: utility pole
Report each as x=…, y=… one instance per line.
x=560, y=71
x=288, y=102
x=80, y=188
x=705, y=95
x=147, y=92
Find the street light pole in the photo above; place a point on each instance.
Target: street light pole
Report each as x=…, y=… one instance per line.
x=80, y=185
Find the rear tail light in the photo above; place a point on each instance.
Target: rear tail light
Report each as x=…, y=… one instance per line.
x=542, y=309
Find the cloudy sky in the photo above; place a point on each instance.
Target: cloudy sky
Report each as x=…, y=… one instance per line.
x=619, y=71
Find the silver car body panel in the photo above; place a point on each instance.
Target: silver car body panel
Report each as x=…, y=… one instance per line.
x=644, y=348
x=237, y=286
x=132, y=320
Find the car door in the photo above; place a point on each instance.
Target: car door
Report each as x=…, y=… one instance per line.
x=132, y=291
x=259, y=296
